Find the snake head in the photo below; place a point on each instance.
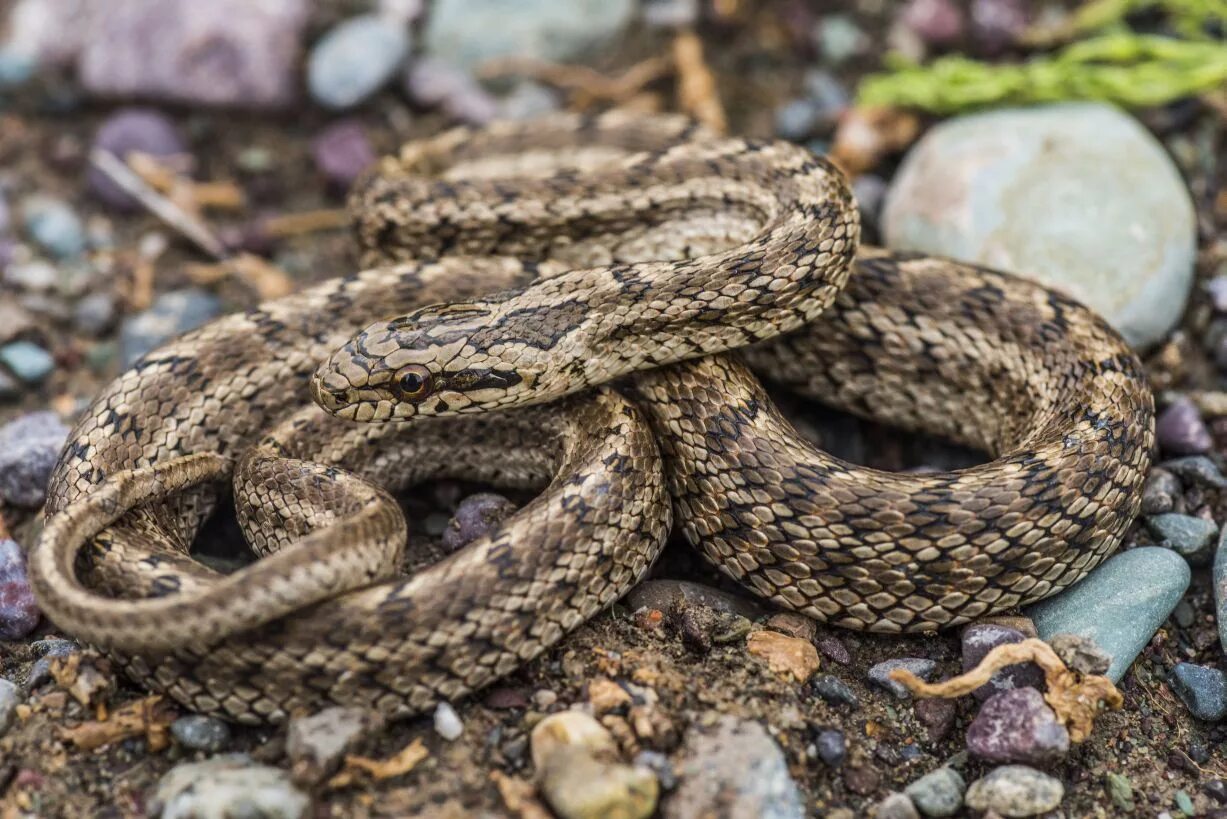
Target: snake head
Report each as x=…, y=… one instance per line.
x=428, y=362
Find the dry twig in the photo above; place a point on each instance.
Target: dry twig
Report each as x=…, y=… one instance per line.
x=696, y=85
x=360, y=768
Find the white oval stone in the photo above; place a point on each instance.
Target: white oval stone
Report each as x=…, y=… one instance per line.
x=1078, y=196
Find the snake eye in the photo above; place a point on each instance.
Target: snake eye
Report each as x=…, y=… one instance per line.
x=413, y=382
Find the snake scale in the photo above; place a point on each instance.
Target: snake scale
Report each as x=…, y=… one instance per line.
x=615, y=283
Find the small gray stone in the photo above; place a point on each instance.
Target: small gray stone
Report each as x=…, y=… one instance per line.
x=880, y=673
x=127, y=131
x=28, y=361
x=95, y=314
x=36, y=275
x=895, y=806
x=734, y=768
x=1195, y=469
x=10, y=698
x=1161, y=493
x=476, y=516
x=29, y=447
x=1080, y=653
x=434, y=82
x=1180, y=429
x=831, y=746
x=355, y=59
x=937, y=715
x=1220, y=588
x=172, y=314
x=1203, y=690
x=1017, y=726
x=835, y=691
x=315, y=744
x=938, y=793
x=447, y=722
x=839, y=38
x=1119, y=605
x=201, y=733
x=978, y=640
x=528, y=100
x=1190, y=537
x=223, y=52
x=227, y=785
x=54, y=225
x=1015, y=791
x=470, y=32
x=1055, y=192
x=797, y=119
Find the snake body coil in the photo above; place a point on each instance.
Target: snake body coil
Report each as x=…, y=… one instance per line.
x=625, y=255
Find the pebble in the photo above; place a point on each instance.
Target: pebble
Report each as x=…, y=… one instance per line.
x=10, y=698
x=341, y=152
x=1015, y=791
x=670, y=13
x=835, y=691
x=1119, y=606
x=227, y=785
x=315, y=744
x=1216, y=789
x=937, y=715
x=173, y=313
x=734, y=768
x=833, y=649
x=1077, y=195
x=435, y=83
x=1203, y=690
x=1195, y=469
x=659, y=764
x=447, y=722
x=579, y=773
x=223, y=52
x=527, y=100
x=1161, y=493
x=201, y=733
x=26, y=360
x=1185, y=803
x=1017, y=726
x=665, y=595
x=880, y=673
x=937, y=22
x=895, y=806
x=1080, y=653
x=839, y=39
x=476, y=516
x=9, y=389
x=355, y=59
x=981, y=638
x=36, y=275
x=1180, y=429
x=1120, y=791
x=784, y=655
x=127, y=131
x=95, y=314
x=50, y=649
x=470, y=32
x=54, y=225
x=997, y=24
x=938, y=793
x=29, y=448
x=831, y=746
x=1192, y=538
x=1220, y=589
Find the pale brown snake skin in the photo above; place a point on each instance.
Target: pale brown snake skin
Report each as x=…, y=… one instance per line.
x=616, y=246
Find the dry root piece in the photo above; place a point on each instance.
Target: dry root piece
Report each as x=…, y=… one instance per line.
x=268, y=280
x=585, y=86
x=696, y=85
x=519, y=796
x=1075, y=698
x=149, y=717
x=360, y=769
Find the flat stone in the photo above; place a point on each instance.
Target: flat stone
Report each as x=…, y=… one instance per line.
x=1202, y=689
x=29, y=447
x=1015, y=791
x=1196, y=469
x=1192, y=538
x=937, y=715
x=227, y=785
x=1017, y=726
x=1078, y=196
x=28, y=361
x=733, y=768
x=1120, y=605
x=938, y=793
x=470, y=32
x=880, y=673
x=223, y=52
x=355, y=59
x=831, y=746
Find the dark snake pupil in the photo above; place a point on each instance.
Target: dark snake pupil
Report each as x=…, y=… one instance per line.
x=411, y=382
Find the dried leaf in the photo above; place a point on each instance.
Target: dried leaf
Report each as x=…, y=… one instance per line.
x=148, y=717
x=360, y=768
x=519, y=796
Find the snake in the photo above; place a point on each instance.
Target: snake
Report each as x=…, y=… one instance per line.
x=584, y=306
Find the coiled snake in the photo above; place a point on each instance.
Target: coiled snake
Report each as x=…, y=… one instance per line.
x=625, y=256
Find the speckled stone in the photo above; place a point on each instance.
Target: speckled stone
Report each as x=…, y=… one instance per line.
x=1203, y=690
x=1120, y=605
x=938, y=793
x=1191, y=537
x=19, y=612
x=1017, y=726
x=981, y=638
x=476, y=516
x=1180, y=429
x=921, y=667
x=29, y=447
x=1078, y=196
x=1015, y=791
x=1220, y=588
x=227, y=785
x=201, y=733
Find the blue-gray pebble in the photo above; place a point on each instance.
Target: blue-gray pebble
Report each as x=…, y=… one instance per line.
x=1191, y=537
x=29, y=447
x=55, y=226
x=28, y=361
x=1203, y=690
x=1120, y=605
x=172, y=314
x=355, y=59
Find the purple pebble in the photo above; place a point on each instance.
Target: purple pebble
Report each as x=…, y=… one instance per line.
x=342, y=151
x=132, y=130
x=937, y=22
x=18, y=612
x=476, y=516
x=1181, y=430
